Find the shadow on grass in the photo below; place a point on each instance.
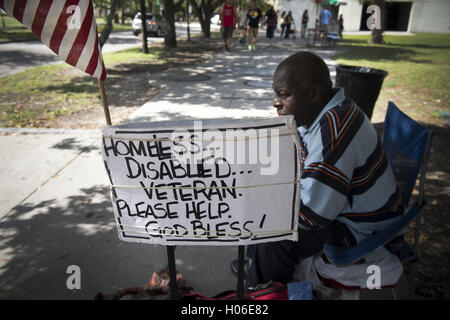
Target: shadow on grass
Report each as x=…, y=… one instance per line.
x=84, y=84
x=379, y=53
x=420, y=46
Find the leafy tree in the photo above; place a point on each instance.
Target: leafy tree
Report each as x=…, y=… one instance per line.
x=170, y=8
x=109, y=21
x=204, y=10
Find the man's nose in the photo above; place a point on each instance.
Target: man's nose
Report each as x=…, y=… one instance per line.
x=276, y=103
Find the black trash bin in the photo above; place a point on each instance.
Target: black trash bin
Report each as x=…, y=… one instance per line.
x=361, y=84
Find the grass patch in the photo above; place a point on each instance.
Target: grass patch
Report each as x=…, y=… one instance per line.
x=418, y=66
x=42, y=96
x=38, y=95
x=7, y=35
x=13, y=30
x=133, y=55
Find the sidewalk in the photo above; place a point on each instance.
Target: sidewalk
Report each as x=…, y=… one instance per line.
x=232, y=85
x=55, y=204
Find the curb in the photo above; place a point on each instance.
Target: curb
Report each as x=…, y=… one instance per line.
x=48, y=131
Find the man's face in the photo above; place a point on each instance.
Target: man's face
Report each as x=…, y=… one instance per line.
x=290, y=98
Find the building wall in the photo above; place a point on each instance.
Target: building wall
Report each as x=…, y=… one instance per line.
x=426, y=15
x=351, y=12
x=430, y=16
x=297, y=7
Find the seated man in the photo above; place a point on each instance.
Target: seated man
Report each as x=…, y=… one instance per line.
x=348, y=190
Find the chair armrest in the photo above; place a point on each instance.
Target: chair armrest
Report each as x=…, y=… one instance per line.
x=344, y=256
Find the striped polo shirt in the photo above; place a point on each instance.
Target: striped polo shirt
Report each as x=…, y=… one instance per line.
x=346, y=176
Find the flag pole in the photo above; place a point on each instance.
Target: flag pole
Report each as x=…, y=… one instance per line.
x=104, y=102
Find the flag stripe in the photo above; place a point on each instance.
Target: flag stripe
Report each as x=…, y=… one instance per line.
x=19, y=8
x=103, y=76
x=93, y=62
x=51, y=20
x=61, y=26
x=29, y=13
x=81, y=38
x=54, y=25
x=71, y=34
x=8, y=7
x=40, y=16
x=89, y=53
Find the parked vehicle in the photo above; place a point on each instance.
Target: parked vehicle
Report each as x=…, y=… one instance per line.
x=215, y=19
x=155, y=24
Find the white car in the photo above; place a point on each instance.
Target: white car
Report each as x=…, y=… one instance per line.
x=155, y=24
x=215, y=19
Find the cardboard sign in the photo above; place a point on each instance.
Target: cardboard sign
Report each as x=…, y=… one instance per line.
x=204, y=182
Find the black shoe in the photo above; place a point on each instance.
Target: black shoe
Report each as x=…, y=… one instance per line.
x=234, y=266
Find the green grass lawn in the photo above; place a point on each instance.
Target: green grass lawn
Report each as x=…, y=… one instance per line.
x=42, y=93
x=419, y=71
x=13, y=30
x=36, y=96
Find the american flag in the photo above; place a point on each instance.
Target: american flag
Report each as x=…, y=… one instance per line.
x=68, y=28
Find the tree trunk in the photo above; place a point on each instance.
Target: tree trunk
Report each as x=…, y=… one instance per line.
x=206, y=26
x=150, y=6
x=122, y=12
x=377, y=34
x=170, y=36
x=109, y=24
x=204, y=11
x=144, y=27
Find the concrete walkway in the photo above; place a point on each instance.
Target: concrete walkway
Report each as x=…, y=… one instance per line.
x=232, y=85
x=55, y=205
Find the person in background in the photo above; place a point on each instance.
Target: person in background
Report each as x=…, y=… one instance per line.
x=325, y=18
x=276, y=26
x=241, y=23
x=283, y=24
x=341, y=26
x=271, y=19
x=228, y=18
x=288, y=20
x=305, y=19
x=254, y=15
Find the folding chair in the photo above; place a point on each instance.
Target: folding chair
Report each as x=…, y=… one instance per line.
x=407, y=145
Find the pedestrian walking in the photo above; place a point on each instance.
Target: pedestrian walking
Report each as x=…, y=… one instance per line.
x=271, y=19
x=242, y=16
x=283, y=24
x=254, y=15
x=228, y=18
x=305, y=19
x=341, y=26
x=288, y=21
x=325, y=18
